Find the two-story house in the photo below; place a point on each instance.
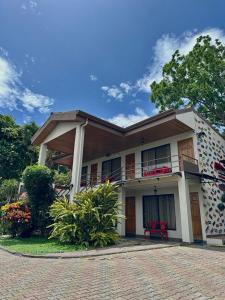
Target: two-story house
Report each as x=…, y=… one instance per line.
x=169, y=167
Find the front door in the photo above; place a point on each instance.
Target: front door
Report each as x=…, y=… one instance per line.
x=196, y=217
x=130, y=216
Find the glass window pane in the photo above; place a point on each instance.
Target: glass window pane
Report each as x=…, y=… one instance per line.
x=116, y=169
x=163, y=156
x=106, y=169
x=167, y=210
x=150, y=209
x=84, y=175
x=111, y=169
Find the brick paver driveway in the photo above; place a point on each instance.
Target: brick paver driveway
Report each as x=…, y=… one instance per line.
x=169, y=273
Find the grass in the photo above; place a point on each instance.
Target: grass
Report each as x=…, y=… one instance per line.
x=37, y=245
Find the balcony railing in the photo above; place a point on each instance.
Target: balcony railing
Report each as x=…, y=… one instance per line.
x=147, y=169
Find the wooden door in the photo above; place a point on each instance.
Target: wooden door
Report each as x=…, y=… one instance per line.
x=196, y=217
x=130, y=166
x=94, y=169
x=186, y=151
x=130, y=216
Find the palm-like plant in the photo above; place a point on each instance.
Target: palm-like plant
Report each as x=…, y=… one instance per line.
x=91, y=219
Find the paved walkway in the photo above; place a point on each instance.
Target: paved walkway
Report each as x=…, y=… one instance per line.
x=168, y=273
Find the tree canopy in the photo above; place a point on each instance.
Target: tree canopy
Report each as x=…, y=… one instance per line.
x=196, y=79
x=16, y=151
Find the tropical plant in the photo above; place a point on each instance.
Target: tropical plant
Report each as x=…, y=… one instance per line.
x=8, y=190
x=15, y=218
x=196, y=79
x=16, y=151
x=38, y=182
x=62, y=179
x=91, y=219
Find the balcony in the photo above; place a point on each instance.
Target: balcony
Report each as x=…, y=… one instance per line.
x=149, y=169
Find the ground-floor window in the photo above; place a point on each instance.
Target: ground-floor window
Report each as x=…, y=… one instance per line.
x=159, y=208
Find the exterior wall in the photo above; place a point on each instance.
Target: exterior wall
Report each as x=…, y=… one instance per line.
x=211, y=148
x=207, y=149
x=137, y=150
x=139, y=210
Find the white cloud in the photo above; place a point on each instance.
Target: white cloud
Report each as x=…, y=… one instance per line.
x=29, y=4
x=127, y=120
x=32, y=101
x=155, y=111
x=164, y=49
x=162, y=53
x=93, y=77
x=113, y=92
x=13, y=95
x=26, y=119
x=118, y=92
x=126, y=86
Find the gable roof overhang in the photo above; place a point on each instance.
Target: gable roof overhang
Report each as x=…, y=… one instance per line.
x=103, y=138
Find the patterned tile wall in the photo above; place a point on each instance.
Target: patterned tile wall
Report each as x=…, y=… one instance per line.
x=211, y=148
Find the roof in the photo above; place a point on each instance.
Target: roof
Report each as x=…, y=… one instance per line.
x=81, y=116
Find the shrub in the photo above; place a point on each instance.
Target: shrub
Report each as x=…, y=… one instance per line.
x=62, y=179
x=38, y=184
x=8, y=190
x=15, y=218
x=90, y=220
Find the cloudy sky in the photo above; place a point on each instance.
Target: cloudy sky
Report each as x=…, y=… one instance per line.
x=95, y=55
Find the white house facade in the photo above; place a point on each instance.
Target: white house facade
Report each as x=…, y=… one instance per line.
x=169, y=168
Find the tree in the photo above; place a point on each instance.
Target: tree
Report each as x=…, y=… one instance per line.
x=196, y=79
x=38, y=182
x=16, y=151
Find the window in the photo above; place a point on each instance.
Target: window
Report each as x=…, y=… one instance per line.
x=111, y=169
x=84, y=176
x=159, y=208
x=156, y=161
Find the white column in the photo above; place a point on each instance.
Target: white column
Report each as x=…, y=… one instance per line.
x=123, y=167
x=42, y=155
x=77, y=160
x=185, y=210
x=121, y=224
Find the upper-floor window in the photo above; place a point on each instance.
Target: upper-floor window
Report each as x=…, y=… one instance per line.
x=156, y=160
x=84, y=174
x=111, y=169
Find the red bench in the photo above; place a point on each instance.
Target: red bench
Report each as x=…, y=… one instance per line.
x=154, y=227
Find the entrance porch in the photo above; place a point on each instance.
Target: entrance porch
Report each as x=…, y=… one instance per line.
x=176, y=200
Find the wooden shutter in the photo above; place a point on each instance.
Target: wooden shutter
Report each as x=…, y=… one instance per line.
x=130, y=216
x=186, y=151
x=196, y=217
x=130, y=166
x=94, y=169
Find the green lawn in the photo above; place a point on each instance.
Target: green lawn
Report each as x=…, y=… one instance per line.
x=36, y=245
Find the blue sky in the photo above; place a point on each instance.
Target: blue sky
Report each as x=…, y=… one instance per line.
x=95, y=55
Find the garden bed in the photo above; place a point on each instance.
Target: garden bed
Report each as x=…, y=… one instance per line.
x=36, y=245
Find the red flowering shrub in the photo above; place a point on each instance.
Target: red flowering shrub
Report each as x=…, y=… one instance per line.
x=16, y=217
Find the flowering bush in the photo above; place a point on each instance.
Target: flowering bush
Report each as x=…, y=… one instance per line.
x=16, y=217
